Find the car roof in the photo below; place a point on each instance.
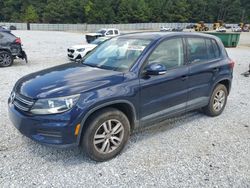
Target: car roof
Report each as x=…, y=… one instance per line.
x=161, y=35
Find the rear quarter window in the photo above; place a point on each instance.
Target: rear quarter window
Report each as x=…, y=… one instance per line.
x=9, y=36
x=202, y=50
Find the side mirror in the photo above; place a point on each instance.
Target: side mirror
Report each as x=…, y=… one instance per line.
x=155, y=69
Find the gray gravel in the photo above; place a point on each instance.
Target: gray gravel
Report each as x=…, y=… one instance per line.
x=192, y=150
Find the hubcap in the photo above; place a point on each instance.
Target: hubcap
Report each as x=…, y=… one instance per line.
x=108, y=136
x=5, y=59
x=219, y=100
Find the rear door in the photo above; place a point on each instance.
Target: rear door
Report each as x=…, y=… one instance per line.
x=204, y=65
x=162, y=95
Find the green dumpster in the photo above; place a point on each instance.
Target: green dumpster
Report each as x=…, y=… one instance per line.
x=228, y=39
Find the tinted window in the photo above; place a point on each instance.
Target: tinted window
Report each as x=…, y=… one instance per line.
x=197, y=51
x=168, y=53
x=116, y=32
x=110, y=32
x=216, y=49
x=212, y=49
x=1, y=36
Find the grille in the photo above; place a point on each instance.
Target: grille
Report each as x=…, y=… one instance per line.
x=23, y=103
x=71, y=51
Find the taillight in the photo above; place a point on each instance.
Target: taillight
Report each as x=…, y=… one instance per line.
x=18, y=41
x=231, y=64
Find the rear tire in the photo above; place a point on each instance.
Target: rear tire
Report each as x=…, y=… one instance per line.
x=106, y=135
x=217, y=101
x=6, y=59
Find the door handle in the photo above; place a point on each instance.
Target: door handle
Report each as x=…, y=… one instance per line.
x=183, y=78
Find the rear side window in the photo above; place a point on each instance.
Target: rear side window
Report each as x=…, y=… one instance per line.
x=1, y=36
x=116, y=32
x=197, y=50
x=212, y=49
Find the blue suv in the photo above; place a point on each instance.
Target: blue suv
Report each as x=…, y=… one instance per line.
x=128, y=81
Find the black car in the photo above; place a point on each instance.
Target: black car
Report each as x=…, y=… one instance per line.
x=190, y=26
x=10, y=48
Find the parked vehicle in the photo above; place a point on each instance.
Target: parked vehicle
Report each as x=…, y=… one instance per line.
x=178, y=29
x=165, y=28
x=236, y=29
x=102, y=33
x=126, y=82
x=10, y=48
x=12, y=27
x=190, y=26
x=227, y=26
x=201, y=26
x=79, y=51
x=221, y=29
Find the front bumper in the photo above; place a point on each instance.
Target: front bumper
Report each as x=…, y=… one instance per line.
x=55, y=130
x=74, y=56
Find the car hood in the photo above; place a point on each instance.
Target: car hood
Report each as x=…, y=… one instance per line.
x=65, y=80
x=83, y=46
x=94, y=34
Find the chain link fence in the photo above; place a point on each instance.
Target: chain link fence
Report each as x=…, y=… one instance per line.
x=95, y=27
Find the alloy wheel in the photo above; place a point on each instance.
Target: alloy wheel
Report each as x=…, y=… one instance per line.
x=108, y=136
x=5, y=59
x=219, y=100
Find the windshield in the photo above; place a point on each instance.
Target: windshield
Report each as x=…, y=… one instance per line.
x=117, y=54
x=102, y=31
x=98, y=41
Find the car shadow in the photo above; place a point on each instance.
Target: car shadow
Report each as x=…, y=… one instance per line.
x=75, y=156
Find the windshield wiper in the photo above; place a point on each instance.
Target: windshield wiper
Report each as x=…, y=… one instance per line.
x=90, y=65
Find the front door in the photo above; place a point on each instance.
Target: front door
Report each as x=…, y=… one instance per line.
x=162, y=95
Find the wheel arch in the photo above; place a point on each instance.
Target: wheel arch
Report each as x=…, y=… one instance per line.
x=5, y=50
x=123, y=105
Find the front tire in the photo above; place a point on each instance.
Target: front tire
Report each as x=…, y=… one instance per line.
x=106, y=135
x=6, y=59
x=217, y=101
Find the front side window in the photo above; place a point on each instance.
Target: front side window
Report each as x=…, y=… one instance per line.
x=117, y=54
x=197, y=50
x=168, y=53
x=110, y=32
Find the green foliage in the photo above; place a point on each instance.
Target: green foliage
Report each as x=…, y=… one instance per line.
x=124, y=11
x=30, y=14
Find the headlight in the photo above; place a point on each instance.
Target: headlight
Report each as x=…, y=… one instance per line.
x=80, y=50
x=54, y=105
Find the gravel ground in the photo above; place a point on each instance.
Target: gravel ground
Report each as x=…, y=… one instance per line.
x=192, y=150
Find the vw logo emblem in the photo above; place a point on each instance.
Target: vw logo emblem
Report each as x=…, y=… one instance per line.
x=12, y=97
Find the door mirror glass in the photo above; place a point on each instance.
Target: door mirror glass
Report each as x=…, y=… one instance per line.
x=155, y=69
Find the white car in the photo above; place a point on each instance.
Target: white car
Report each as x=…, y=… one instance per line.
x=236, y=29
x=111, y=32
x=221, y=29
x=79, y=51
x=165, y=29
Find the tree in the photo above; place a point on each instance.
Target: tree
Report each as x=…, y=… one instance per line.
x=124, y=11
x=30, y=14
